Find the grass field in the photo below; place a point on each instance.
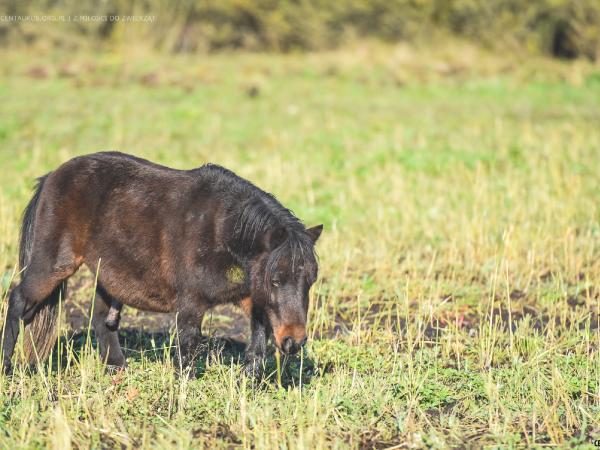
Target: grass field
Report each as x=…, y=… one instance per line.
x=459, y=292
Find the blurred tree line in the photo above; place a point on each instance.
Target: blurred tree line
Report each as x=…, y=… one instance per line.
x=561, y=28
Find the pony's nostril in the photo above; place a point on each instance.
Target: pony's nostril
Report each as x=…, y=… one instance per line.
x=287, y=344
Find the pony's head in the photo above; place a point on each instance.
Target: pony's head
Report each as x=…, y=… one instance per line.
x=283, y=277
x=280, y=258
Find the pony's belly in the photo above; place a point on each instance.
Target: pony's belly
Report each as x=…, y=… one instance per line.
x=147, y=291
x=151, y=302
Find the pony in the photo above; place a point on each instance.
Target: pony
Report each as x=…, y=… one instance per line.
x=162, y=240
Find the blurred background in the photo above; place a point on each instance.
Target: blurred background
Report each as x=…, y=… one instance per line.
x=559, y=28
x=450, y=147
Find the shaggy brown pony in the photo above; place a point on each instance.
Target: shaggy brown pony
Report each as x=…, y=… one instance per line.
x=161, y=240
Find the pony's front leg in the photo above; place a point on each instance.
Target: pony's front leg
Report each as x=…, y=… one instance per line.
x=257, y=349
x=189, y=321
x=107, y=337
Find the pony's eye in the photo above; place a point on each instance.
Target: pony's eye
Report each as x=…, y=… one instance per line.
x=275, y=283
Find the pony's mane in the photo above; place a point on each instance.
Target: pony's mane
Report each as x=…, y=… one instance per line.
x=258, y=214
x=261, y=215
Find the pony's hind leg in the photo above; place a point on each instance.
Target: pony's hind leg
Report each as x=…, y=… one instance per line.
x=47, y=258
x=16, y=308
x=113, y=317
x=108, y=339
x=24, y=304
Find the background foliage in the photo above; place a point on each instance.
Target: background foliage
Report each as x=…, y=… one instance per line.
x=562, y=28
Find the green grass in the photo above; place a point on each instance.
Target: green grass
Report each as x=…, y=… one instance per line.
x=458, y=297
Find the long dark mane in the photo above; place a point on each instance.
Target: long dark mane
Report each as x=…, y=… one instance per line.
x=261, y=217
x=258, y=215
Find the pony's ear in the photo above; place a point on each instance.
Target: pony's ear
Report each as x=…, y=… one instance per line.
x=315, y=232
x=274, y=238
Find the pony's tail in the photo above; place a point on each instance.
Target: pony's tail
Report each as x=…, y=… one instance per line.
x=40, y=332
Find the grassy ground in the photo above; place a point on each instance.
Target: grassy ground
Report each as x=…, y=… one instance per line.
x=459, y=293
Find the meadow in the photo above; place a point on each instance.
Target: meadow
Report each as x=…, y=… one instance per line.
x=459, y=292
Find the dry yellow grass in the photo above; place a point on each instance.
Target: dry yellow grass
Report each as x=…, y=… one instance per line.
x=458, y=300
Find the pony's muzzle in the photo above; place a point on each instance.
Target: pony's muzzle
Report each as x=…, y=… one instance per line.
x=291, y=346
x=290, y=338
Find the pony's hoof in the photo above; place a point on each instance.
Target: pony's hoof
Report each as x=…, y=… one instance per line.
x=254, y=369
x=7, y=368
x=114, y=368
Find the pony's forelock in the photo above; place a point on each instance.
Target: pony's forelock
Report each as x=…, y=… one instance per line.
x=298, y=249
